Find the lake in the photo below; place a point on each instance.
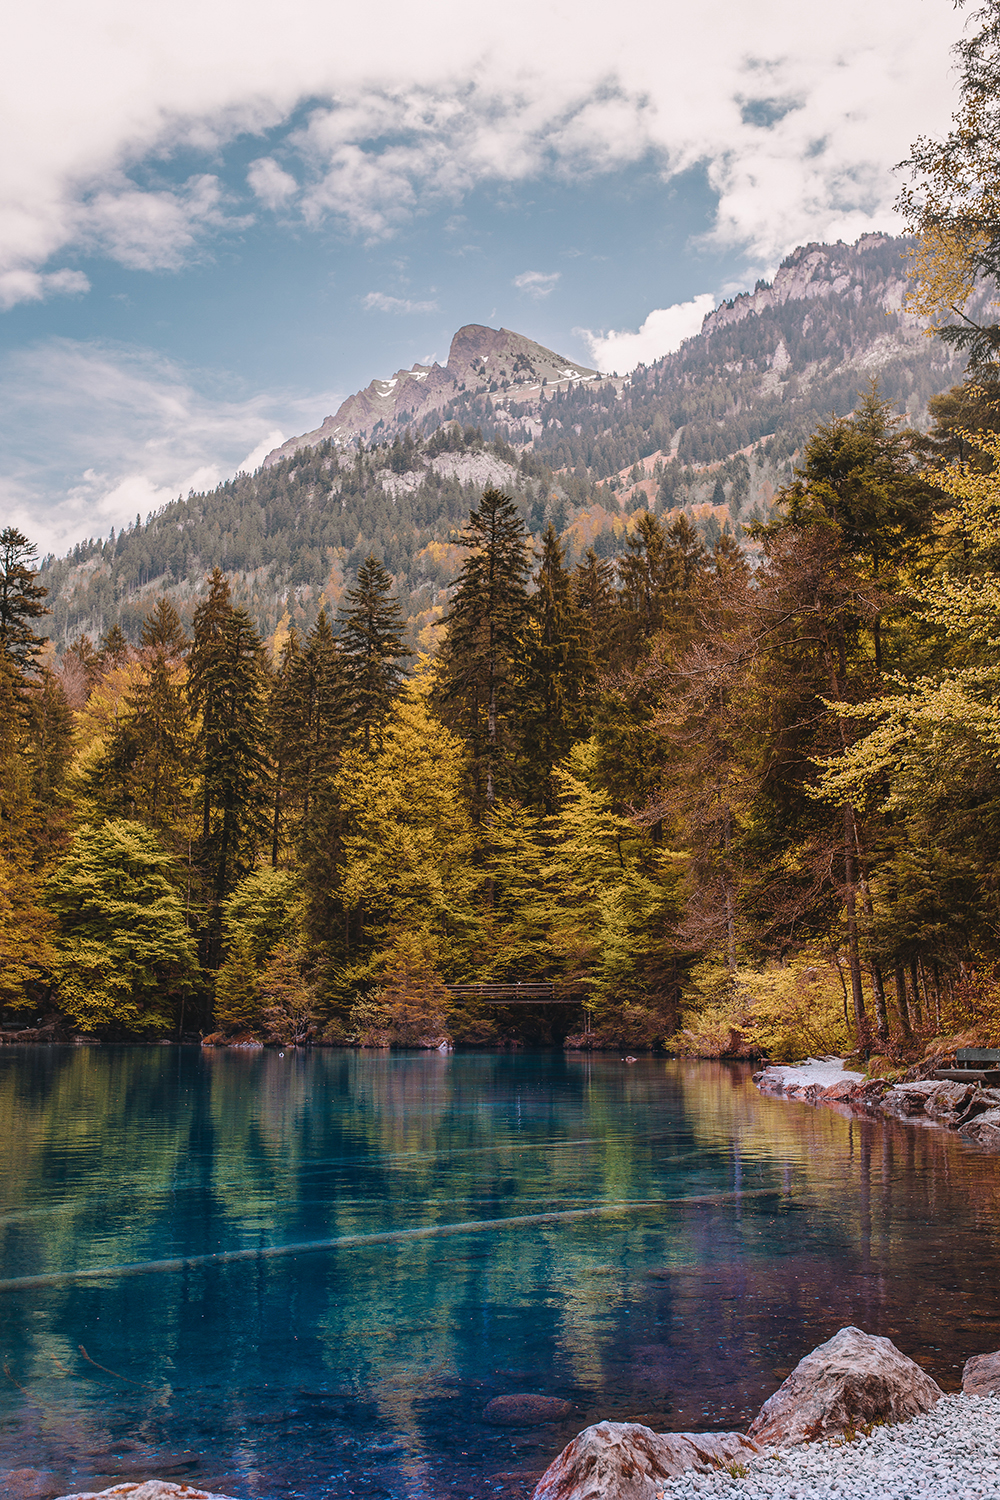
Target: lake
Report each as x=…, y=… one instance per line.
x=312, y=1271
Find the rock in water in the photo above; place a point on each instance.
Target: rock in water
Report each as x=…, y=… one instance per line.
x=27, y=1484
x=981, y=1375
x=626, y=1461
x=984, y=1130
x=149, y=1489
x=526, y=1411
x=852, y=1379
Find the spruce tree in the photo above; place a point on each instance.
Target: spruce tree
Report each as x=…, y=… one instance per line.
x=371, y=635
x=144, y=773
x=484, y=649
x=162, y=629
x=226, y=686
x=20, y=598
x=559, y=676
x=594, y=597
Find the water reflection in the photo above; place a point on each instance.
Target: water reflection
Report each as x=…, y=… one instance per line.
x=745, y=1231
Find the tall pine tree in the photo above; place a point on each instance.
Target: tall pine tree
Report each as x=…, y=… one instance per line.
x=484, y=648
x=371, y=634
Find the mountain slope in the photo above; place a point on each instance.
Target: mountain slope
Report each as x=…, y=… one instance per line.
x=713, y=428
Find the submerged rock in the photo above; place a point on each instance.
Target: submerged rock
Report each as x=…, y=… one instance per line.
x=853, y=1379
x=148, y=1489
x=526, y=1411
x=981, y=1375
x=27, y=1484
x=626, y=1461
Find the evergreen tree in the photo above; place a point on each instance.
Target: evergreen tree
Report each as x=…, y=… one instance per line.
x=114, y=648
x=145, y=771
x=594, y=597
x=162, y=630
x=559, y=676
x=20, y=598
x=483, y=651
x=371, y=634
x=226, y=687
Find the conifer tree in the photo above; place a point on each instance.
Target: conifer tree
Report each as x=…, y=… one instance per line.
x=559, y=676
x=145, y=770
x=113, y=647
x=226, y=686
x=483, y=651
x=371, y=633
x=162, y=630
x=594, y=597
x=20, y=598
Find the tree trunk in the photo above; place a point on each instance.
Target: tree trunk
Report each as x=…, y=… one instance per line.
x=853, y=954
x=915, y=987
x=878, y=990
x=901, y=1005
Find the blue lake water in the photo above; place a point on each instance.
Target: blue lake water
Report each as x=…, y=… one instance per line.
x=314, y=1271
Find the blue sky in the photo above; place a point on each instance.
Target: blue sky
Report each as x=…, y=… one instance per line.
x=218, y=220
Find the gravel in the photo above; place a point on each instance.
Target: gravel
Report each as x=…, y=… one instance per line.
x=951, y=1452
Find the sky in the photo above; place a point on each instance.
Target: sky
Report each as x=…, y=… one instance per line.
x=217, y=219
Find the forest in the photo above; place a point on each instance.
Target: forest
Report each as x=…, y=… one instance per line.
x=727, y=802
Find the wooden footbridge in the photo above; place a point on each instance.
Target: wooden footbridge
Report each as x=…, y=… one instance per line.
x=546, y=992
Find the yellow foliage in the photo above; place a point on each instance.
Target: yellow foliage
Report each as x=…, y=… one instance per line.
x=782, y=1012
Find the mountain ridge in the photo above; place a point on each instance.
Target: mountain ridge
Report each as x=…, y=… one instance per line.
x=713, y=429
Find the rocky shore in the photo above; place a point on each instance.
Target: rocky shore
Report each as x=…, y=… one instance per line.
x=856, y=1419
x=971, y=1109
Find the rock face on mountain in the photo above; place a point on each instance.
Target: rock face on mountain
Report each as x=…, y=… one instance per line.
x=482, y=361
x=817, y=271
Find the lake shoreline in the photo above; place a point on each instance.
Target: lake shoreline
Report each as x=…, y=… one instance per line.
x=970, y=1110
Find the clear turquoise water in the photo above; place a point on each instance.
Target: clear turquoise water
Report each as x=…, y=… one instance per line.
x=306, y=1283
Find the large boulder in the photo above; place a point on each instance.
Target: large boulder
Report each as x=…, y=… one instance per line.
x=981, y=1375
x=526, y=1411
x=852, y=1379
x=148, y=1489
x=626, y=1461
x=904, y=1100
x=951, y=1102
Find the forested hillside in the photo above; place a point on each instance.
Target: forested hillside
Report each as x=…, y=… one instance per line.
x=713, y=430
x=723, y=808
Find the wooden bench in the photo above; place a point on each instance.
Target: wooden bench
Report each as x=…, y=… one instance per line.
x=973, y=1065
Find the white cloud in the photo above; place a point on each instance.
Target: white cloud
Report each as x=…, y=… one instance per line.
x=380, y=302
x=33, y=286
x=97, y=97
x=118, y=431
x=664, y=330
x=268, y=182
x=537, y=284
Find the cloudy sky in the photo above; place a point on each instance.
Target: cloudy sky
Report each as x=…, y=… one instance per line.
x=219, y=218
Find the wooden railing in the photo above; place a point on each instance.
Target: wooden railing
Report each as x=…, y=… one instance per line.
x=545, y=992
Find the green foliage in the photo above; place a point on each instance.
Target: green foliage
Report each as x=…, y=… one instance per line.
x=238, y=1000
x=264, y=911
x=124, y=954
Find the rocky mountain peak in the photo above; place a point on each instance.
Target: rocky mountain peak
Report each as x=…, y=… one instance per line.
x=481, y=361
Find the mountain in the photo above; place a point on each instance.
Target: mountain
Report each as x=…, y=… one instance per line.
x=481, y=360
x=714, y=428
